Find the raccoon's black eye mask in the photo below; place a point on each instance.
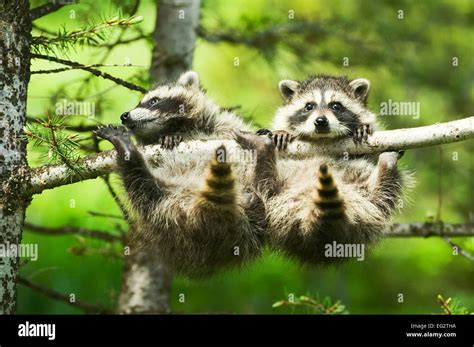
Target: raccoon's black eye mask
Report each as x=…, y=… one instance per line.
x=166, y=105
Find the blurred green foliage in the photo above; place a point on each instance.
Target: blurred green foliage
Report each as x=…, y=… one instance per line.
x=406, y=59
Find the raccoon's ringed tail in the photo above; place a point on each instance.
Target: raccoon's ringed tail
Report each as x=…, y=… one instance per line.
x=219, y=187
x=327, y=198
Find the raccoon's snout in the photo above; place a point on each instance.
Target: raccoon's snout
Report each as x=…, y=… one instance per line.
x=322, y=124
x=125, y=117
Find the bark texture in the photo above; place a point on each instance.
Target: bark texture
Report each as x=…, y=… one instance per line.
x=15, y=27
x=175, y=36
x=146, y=284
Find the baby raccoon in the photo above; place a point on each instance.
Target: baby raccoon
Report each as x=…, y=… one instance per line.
x=320, y=109
x=326, y=199
x=181, y=111
x=195, y=216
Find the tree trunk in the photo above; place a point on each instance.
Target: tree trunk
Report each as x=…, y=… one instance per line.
x=15, y=27
x=146, y=284
x=175, y=37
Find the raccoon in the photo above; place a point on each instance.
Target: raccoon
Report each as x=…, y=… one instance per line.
x=322, y=108
x=181, y=111
x=194, y=211
x=328, y=199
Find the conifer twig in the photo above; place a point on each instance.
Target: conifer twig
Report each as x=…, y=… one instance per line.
x=95, y=72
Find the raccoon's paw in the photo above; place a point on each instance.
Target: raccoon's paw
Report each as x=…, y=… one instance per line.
x=362, y=132
x=281, y=139
x=113, y=133
x=264, y=131
x=170, y=141
x=248, y=140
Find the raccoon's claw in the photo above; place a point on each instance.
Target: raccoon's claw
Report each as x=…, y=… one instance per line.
x=264, y=131
x=362, y=132
x=251, y=141
x=119, y=136
x=170, y=141
x=112, y=133
x=281, y=139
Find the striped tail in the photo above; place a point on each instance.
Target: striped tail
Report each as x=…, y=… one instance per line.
x=327, y=198
x=219, y=187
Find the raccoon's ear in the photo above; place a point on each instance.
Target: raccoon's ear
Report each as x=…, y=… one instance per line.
x=189, y=79
x=361, y=87
x=288, y=88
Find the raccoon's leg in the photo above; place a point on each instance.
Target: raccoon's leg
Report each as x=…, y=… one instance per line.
x=143, y=188
x=385, y=182
x=265, y=178
x=265, y=174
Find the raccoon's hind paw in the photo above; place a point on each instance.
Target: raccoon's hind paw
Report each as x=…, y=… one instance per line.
x=248, y=140
x=362, y=132
x=170, y=141
x=281, y=139
x=119, y=136
x=113, y=133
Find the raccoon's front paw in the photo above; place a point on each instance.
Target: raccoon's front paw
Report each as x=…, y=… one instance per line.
x=362, y=132
x=248, y=140
x=281, y=139
x=113, y=133
x=264, y=131
x=170, y=141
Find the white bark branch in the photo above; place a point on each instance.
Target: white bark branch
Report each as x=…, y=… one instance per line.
x=51, y=176
x=400, y=139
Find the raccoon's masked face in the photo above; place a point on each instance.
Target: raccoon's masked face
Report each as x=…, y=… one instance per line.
x=166, y=109
x=323, y=110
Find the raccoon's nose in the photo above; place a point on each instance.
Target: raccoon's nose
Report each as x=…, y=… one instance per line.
x=321, y=122
x=125, y=117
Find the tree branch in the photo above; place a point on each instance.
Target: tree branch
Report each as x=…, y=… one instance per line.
x=52, y=176
x=460, y=251
x=95, y=72
x=55, y=295
x=46, y=9
x=420, y=229
x=69, y=68
x=400, y=139
x=68, y=230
